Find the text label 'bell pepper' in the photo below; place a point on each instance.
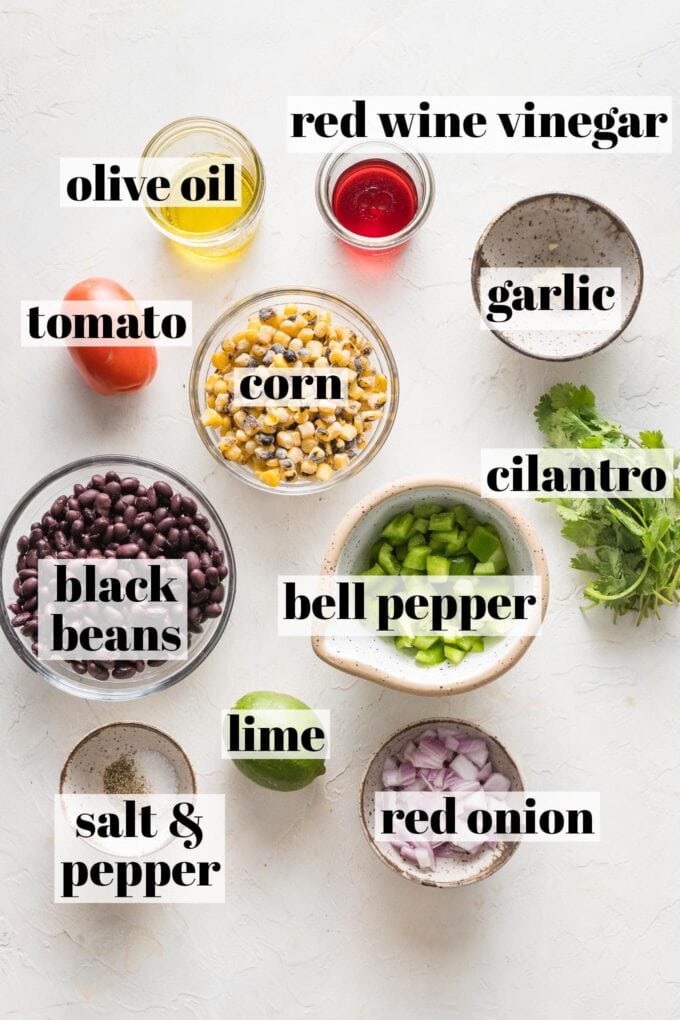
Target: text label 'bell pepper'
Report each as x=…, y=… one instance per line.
x=110, y=369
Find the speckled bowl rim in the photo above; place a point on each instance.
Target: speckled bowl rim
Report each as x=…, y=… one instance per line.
x=425, y=687
x=128, y=725
x=428, y=877
x=477, y=266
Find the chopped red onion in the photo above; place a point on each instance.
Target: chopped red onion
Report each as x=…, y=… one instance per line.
x=443, y=760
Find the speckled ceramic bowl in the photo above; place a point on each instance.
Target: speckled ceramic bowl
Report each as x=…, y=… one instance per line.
x=551, y=231
x=463, y=869
x=158, y=759
x=377, y=659
x=83, y=772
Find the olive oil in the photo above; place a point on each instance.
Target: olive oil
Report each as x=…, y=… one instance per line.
x=196, y=219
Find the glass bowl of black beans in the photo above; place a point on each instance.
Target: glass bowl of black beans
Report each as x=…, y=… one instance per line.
x=124, y=507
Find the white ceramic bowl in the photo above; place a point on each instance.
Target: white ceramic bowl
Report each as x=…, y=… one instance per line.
x=463, y=869
x=377, y=659
x=157, y=758
x=551, y=231
x=83, y=772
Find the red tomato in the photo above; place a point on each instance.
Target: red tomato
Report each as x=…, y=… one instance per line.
x=110, y=370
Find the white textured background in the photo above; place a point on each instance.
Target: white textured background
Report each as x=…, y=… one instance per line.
x=314, y=925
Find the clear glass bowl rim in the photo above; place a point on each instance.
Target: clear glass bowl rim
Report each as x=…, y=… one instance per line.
x=87, y=464
x=186, y=125
x=278, y=295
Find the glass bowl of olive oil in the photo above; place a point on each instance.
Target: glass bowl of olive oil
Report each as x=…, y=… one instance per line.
x=215, y=230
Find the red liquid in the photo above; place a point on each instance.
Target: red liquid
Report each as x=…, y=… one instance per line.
x=375, y=198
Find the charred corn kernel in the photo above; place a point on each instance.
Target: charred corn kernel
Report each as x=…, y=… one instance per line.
x=321, y=363
x=265, y=334
x=295, y=344
x=222, y=402
x=305, y=335
x=281, y=338
x=220, y=359
x=259, y=350
x=284, y=416
x=324, y=472
x=279, y=361
x=211, y=419
x=220, y=386
x=288, y=327
x=348, y=433
x=250, y=447
x=242, y=360
x=287, y=439
x=381, y=383
x=355, y=392
x=334, y=430
x=340, y=461
x=375, y=400
x=243, y=345
x=314, y=349
x=241, y=437
x=290, y=310
x=228, y=345
x=307, y=467
x=340, y=358
x=272, y=477
x=367, y=382
x=305, y=428
x=301, y=418
x=210, y=400
x=320, y=330
x=233, y=453
x=240, y=417
x=296, y=455
x=308, y=445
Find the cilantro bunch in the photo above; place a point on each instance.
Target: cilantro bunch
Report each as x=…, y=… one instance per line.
x=632, y=546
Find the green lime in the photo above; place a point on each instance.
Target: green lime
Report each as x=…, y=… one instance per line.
x=283, y=774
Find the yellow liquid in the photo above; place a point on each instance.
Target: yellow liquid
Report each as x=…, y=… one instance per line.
x=193, y=219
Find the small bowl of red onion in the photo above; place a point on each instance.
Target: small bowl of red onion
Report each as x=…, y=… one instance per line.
x=441, y=755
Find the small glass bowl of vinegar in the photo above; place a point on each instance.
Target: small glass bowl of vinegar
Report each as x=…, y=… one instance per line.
x=374, y=195
x=212, y=231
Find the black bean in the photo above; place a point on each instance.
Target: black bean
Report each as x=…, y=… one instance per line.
x=21, y=619
x=148, y=530
x=22, y=544
x=173, y=537
x=129, y=515
x=87, y=497
x=196, y=579
x=212, y=578
x=166, y=524
x=29, y=587
x=129, y=484
x=97, y=672
x=163, y=490
x=113, y=489
x=143, y=503
x=176, y=504
x=127, y=551
x=112, y=476
x=30, y=605
x=123, y=672
x=218, y=593
x=189, y=506
x=156, y=662
x=79, y=667
x=212, y=610
x=103, y=503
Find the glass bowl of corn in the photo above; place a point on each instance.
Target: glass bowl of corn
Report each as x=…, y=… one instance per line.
x=296, y=449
